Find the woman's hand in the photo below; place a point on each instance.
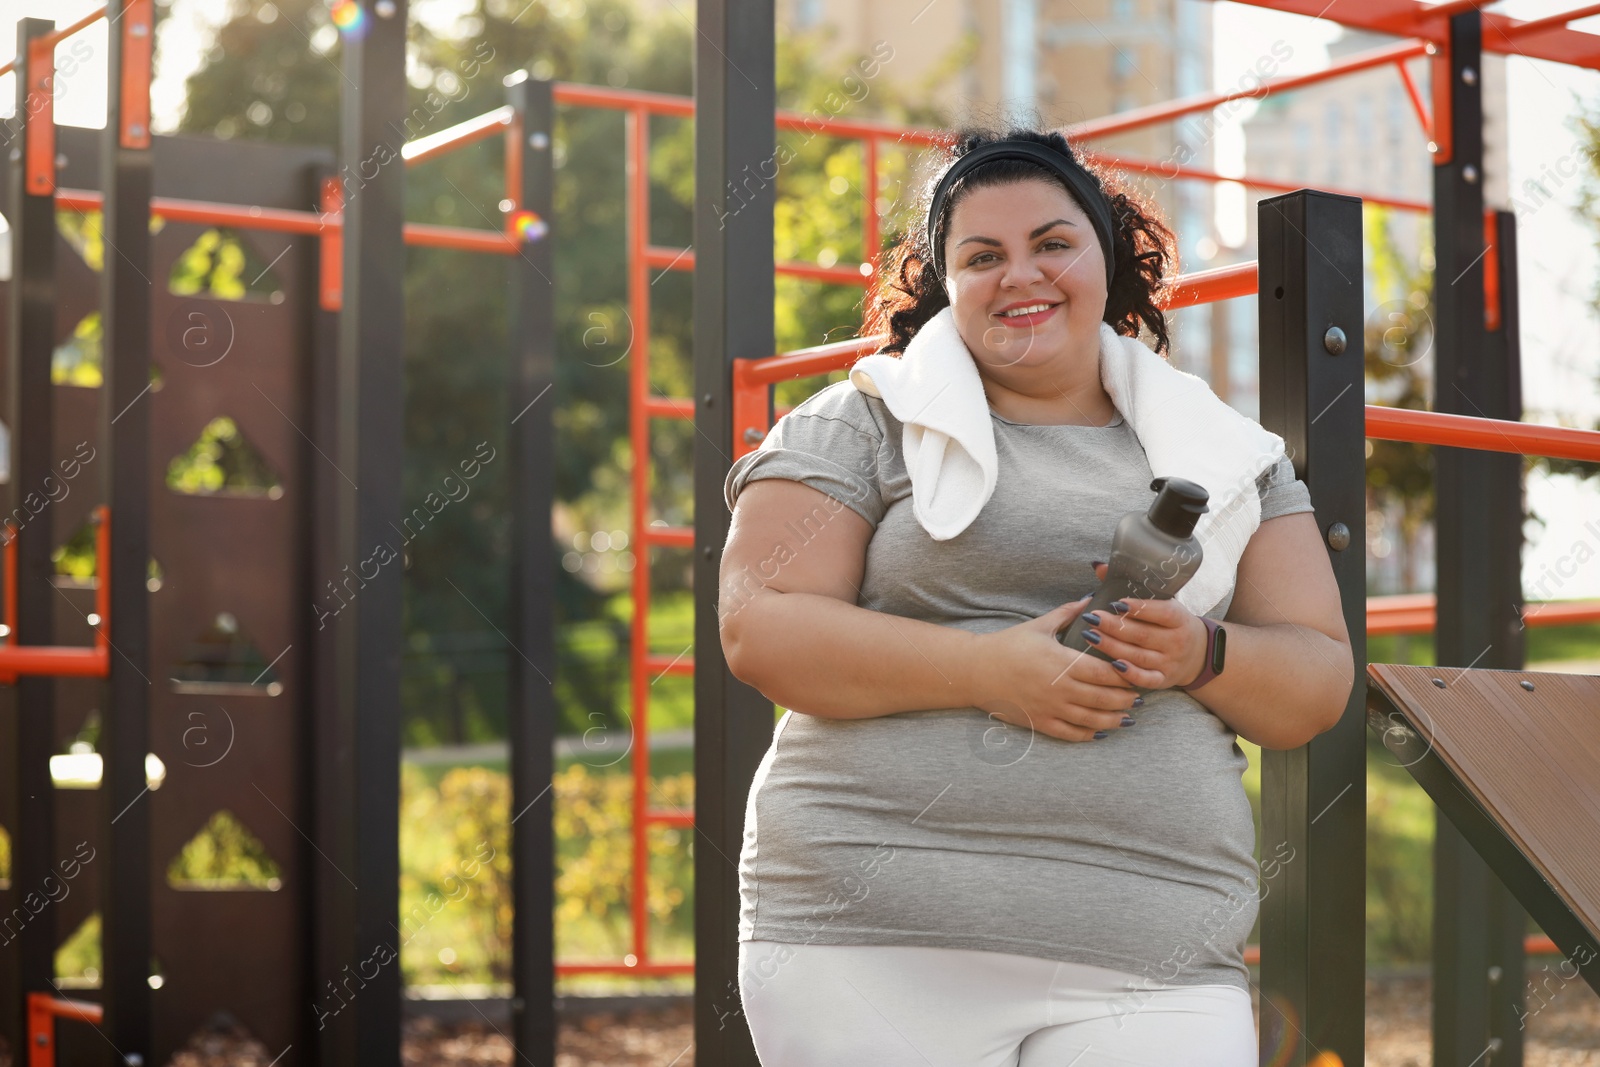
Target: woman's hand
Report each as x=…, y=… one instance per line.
x=1029, y=679
x=1162, y=642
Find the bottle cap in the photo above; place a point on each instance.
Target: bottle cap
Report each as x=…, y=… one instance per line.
x=1178, y=506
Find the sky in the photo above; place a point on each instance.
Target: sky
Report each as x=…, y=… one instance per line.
x=1560, y=270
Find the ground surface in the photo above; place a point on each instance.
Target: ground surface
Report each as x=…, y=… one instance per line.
x=1563, y=1031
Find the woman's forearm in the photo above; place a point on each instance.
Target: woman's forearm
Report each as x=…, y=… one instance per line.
x=819, y=655
x=1283, y=683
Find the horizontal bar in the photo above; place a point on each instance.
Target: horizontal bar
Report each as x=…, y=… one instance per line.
x=1551, y=22
x=55, y=37
x=1490, y=435
x=462, y=133
x=290, y=220
x=1210, y=286
x=618, y=967
x=82, y=1011
x=576, y=95
x=66, y=661
x=1424, y=620
x=1172, y=171
x=669, y=536
x=1155, y=113
x=683, y=259
x=671, y=818
x=669, y=407
x=670, y=664
x=803, y=364
x=1532, y=945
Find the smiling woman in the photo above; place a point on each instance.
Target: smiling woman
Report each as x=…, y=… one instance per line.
x=952, y=794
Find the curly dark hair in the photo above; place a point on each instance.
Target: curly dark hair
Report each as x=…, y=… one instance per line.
x=906, y=291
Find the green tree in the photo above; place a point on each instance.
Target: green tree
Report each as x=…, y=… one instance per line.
x=274, y=75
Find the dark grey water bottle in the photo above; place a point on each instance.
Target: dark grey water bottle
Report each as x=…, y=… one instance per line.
x=1153, y=554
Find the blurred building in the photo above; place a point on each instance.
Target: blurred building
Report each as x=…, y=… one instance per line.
x=1054, y=63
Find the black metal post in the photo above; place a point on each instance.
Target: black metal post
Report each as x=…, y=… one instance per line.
x=1477, y=924
x=735, y=138
x=532, y=661
x=29, y=943
x=125, y=169
x=370, y=456
x=1313, y=798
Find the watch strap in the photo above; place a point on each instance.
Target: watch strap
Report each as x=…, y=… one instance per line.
x=1208, y=669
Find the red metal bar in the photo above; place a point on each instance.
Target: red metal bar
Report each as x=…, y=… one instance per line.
x=638, y=193
x=40, y=156
x=1415, y=96
x=102, y=581
x=446, y=140
x=625, y=967
x=513, y=197
x=1491, y=435
x=1442, y=143
x=670, y=536
x=870, y=238
x=1210, y=286
x=330, y=259
x=1491, y=273
x=683, y=259
x=1551, y=22
x=138, y=24
x=290, y=220
x=55, y=37
x=669, y=407
x=1155, y=113
x=1533, y=945
x=1416, y=614
x=43, y=1011
x=1173, y=170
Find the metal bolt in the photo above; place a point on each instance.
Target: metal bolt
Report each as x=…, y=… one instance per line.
x=385, y=9
x=1527, y=685
x=1494, y=974
x=135, y=129
x=1439, y=682
x=707, y=400
x=1469, y=76
x=42, y=1040
x=539, y=140
x=1338, y=537
x=1469, y=174
x=706, y=552
x=1334, y=341
x=61, y=161
x=138, y=29
x=133, y=1059
x=753, y=436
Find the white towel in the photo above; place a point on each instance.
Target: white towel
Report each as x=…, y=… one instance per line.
x=934, y=389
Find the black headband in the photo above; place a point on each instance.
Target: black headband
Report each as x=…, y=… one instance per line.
x=1085, y=190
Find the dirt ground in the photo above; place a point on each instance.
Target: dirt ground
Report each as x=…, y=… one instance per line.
x=1563, y=1031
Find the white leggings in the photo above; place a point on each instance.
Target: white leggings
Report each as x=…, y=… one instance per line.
x=811, y=1005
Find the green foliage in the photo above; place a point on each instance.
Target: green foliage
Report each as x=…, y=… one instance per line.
x=75, y=558
x=78, y=959
x=223, y=266
x=221, y=460
x=466, y=818
x=77, y=360
x=223, y=855
x=5, y=856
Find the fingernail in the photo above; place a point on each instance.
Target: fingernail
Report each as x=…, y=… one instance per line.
x=1098, y=734
x=1138, y=702
x=1091, y=618
x=1128, y=720
x=1121, y=665
x=1119, y=606
x=1091, y=637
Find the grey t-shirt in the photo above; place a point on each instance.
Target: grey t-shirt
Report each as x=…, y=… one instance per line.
x=946, y=827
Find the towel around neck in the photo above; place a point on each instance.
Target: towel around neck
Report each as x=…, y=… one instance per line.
x=1186, y=430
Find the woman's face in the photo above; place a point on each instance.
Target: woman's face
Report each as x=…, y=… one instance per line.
x=1017, y=246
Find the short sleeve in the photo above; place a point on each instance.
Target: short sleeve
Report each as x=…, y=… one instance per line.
x=832, y=443
x=1281, y=492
